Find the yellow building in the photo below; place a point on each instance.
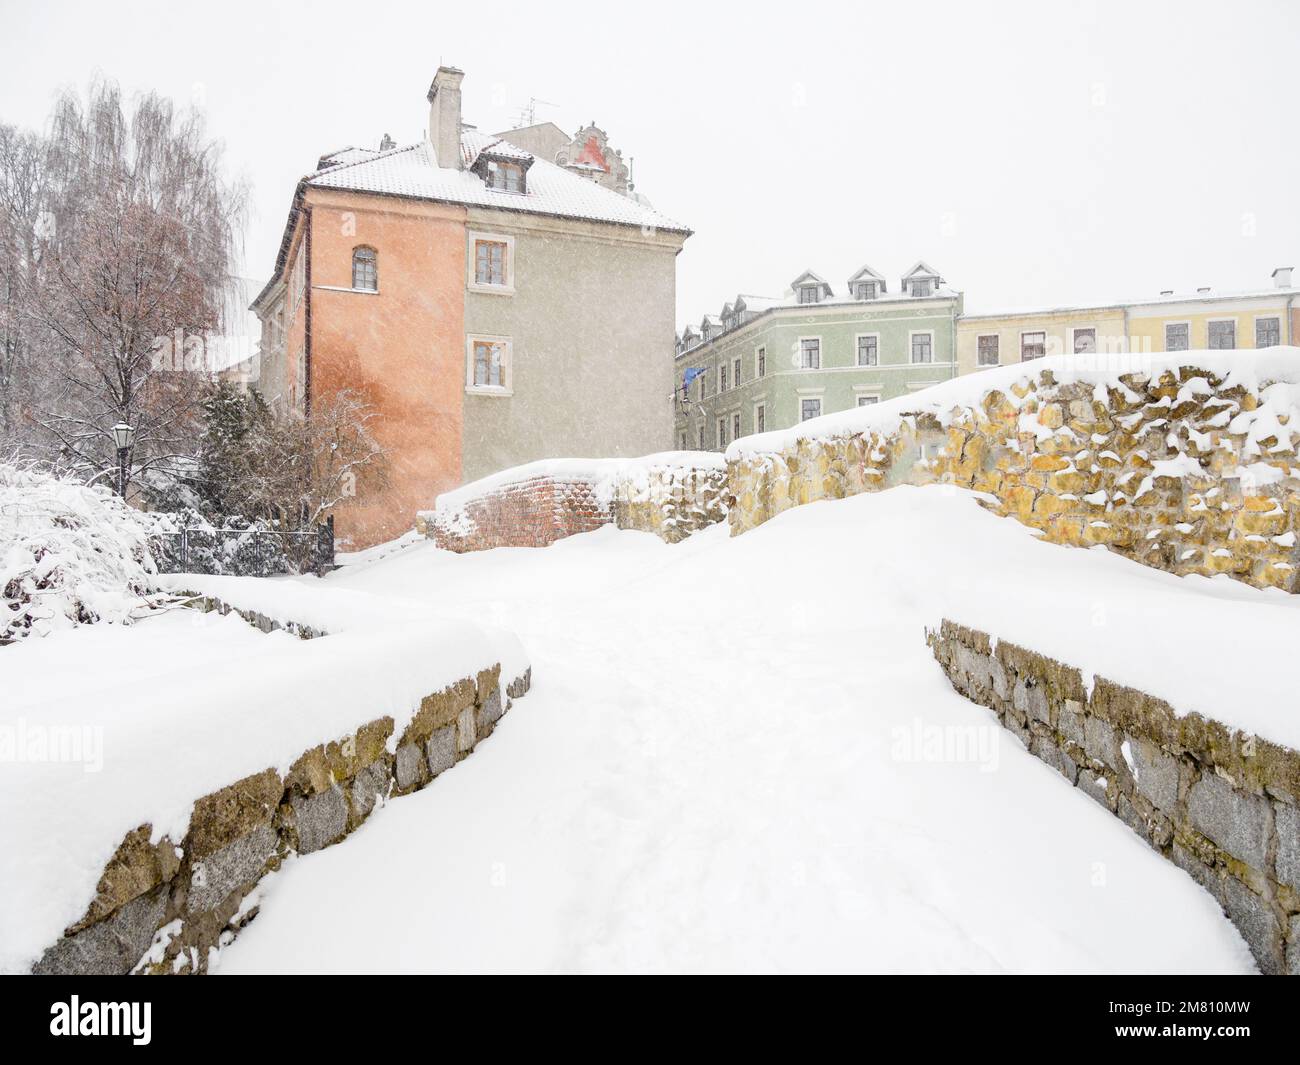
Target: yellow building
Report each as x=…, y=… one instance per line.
x=985, y=340
x=1248, y=320
x=1203, y=320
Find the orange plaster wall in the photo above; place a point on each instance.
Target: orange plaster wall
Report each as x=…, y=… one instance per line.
x=402, y=349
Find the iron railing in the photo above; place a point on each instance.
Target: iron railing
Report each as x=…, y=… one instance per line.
x=245, y=552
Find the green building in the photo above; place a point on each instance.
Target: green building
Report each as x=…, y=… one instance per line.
x=767, y=363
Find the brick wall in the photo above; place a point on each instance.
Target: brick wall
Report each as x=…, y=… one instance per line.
x=672, y=496
x=531, y=513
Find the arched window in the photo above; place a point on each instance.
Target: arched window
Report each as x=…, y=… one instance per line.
x=365, y=269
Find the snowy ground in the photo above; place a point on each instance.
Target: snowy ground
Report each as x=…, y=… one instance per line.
x=718, y=766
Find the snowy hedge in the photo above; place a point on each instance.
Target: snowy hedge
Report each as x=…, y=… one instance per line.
x=69, y=554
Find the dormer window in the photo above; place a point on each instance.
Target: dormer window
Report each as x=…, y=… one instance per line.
x=864, y=290
x=921, y=287
x=504, y=177
x=810, y=293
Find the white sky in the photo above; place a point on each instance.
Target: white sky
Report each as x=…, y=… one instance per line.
x=1033, y=153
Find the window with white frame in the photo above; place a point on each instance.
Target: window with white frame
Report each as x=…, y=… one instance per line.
x=492, y=263
x=810, y=407
x=923, y=347
x=986, y=350
x=1268, y=332
x=722, y=432
x=867, y=401
x=735, y=426
x=505, y=177
x=810, y=293
x=921, y=288
x=1085, y=341
x=869, y=350
x=1178, y=336
x=810, y=353
x=722, y=377
x=1032, y=346
x=761, y=360
x=1222, y=334
x=365, y=269
x=760, y=418
x=864, y=290
x=735, y=373
x=489, y=369
x=489, y=262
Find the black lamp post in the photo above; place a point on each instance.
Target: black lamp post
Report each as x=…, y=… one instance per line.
x=123, y=435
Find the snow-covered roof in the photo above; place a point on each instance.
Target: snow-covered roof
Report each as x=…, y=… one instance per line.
x=1213, y=296
x=921, y=269
x=868, y=274
x=413, y=172
x=350, y=154
x=810, y=278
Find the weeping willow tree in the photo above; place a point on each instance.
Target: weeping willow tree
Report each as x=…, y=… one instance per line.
x=125, y=242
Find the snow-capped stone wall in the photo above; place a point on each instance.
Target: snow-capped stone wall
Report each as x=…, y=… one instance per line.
x=671, y=495
x=167, y=903
x=1185, y=462
x=1220, y=804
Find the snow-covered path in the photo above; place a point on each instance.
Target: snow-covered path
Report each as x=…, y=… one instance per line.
x=714, y=770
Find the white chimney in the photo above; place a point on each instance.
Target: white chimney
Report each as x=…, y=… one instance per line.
x=1282, y=276
x=444, y=117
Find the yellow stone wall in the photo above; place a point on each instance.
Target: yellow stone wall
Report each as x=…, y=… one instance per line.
x=1083, y=470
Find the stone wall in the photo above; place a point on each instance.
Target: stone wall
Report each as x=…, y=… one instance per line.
x=1181, y=470
x=671, y=496
x=166, y=906
x=1222, y=805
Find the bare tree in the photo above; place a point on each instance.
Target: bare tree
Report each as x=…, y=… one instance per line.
x=303, y=468
x=23, y=189
x=141, y=234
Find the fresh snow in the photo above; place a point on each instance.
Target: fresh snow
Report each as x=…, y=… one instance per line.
x=182, y=704
x=739, y=754
x=1273, y=373
x=602, y=474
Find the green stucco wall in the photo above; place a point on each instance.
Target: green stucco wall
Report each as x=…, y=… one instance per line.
x=838, y=383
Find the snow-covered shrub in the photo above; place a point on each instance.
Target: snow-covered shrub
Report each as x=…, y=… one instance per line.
x=69, y=554
x=187, y=542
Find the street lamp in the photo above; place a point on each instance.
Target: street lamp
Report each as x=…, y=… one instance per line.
x=123, y=435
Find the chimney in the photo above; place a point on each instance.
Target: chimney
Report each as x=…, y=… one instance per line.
x=1166, y=292
x=444, y=117
x=1282, y=276
x=1204, y=290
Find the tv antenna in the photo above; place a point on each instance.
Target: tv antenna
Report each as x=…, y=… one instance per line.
x=528, y=114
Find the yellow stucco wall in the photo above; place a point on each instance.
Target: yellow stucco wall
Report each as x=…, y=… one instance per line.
x=1147, y=323
x=1059, y=326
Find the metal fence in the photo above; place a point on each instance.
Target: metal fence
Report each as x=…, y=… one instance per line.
x=245, y=552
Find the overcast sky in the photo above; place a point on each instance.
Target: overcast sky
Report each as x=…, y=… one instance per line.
x=1033, y=153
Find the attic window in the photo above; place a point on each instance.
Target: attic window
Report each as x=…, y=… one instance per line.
x=864, y=290
x=505, y=177
x=810, y=293
x=921, y=288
